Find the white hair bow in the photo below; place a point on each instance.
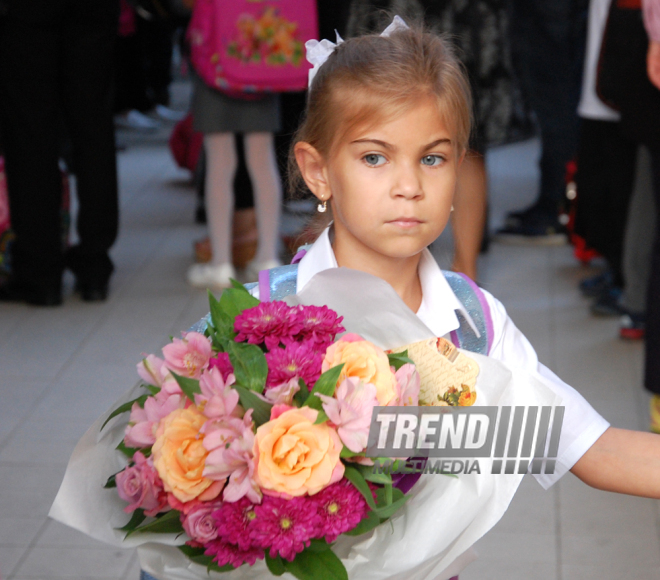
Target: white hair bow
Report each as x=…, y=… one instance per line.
x=319, y=51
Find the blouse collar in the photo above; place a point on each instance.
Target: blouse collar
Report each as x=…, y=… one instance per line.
x=439, y=303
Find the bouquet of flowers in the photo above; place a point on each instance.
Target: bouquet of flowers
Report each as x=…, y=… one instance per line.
x=251, y=438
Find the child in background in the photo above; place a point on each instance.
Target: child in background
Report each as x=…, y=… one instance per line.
x=386, y=130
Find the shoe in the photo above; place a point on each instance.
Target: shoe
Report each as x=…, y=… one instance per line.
x=655, y=414
x=632, y=326
x=532, y=232
x=251, y=272
x=607, y=304
x=12, y=291
x=168, y=114
x=136, y=121
x=596, y=285
x=92, y=290
x=212, y=277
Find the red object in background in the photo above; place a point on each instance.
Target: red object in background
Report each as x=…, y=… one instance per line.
x=186, y=144
x=127, y=24
x=580, y=249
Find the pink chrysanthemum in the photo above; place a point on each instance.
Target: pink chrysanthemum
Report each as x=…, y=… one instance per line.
x=296, y=360
x=319, y=324
x=268, y=322
x=235, y=521
x=224, y=553
x=341, y=507
x=285, y=526
x=223, y=364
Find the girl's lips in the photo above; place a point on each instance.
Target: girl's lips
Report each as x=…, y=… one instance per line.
x=405, y=222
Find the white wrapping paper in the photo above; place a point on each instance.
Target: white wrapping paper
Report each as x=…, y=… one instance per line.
x=428, y=539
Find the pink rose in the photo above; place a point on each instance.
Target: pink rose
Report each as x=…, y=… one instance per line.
x=141, y=487
x=199, y=523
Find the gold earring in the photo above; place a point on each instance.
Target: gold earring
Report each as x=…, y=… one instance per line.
x=322, y=206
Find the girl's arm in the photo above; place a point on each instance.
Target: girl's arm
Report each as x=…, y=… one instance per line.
x=622, y=461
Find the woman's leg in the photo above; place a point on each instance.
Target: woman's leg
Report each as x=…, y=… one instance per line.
x=267, y=186
x=220, y=169
x=469, y=217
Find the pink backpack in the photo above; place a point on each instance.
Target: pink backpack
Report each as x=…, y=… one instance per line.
x=252, y=46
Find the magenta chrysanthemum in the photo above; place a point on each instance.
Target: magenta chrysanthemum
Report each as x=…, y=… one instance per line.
x=341, y=507
x=320, y=325
x=296, y=360
x=285, y=526
x=234, y=521
x=268, y=322
x=223, y=364
x=224, y=553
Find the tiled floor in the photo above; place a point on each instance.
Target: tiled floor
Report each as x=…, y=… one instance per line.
x=62, y=367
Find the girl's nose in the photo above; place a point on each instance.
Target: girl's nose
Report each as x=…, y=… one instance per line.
x=408, y=183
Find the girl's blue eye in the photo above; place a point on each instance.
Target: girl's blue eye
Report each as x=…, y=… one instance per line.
x=374, y=159
x=432, y=160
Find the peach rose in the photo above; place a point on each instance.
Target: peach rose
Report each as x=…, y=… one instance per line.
x=179, y=456
x=363, y=360
x=294, y=457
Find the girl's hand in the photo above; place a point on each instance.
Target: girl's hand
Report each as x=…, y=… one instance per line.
x=623, y=461
x=653, y=63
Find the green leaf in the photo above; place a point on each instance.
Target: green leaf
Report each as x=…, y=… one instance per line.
x=222, y=322
x=190, y=387
x=346, y=452
x=111, y=482
x=322, y=418
x=136, y=519
x=325, y=385
x=250, y=366
x=398, y=359
x=368, y=523
x=153, y=389
x=301, y=396
x=124, y=408
x=310, y=565
x=168, y=523
x=130, y=451
x=357, y=479
x=234, y=300
x=197, y=556
x=378, y=478
x=387, y=511
x=250, y=400
x=236, y=284
x=275, y=565
x=320, y=545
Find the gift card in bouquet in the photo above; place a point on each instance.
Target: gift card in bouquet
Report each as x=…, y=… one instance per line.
x=448, y=376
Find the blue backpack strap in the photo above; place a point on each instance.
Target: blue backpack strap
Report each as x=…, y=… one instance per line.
x=277, y=283
x=474, y=301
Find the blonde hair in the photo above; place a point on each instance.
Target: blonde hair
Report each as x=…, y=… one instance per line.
x=372, y=78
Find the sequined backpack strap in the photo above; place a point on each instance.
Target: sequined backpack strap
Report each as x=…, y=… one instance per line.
x=474, y=301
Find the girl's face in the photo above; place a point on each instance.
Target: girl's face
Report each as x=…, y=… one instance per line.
x=391, y=186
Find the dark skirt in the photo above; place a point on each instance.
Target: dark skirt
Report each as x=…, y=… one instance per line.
x=215, y=112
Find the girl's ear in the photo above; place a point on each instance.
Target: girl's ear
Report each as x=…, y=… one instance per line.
x=313, y=169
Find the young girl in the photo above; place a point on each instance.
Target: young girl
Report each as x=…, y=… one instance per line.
x=386, y=129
